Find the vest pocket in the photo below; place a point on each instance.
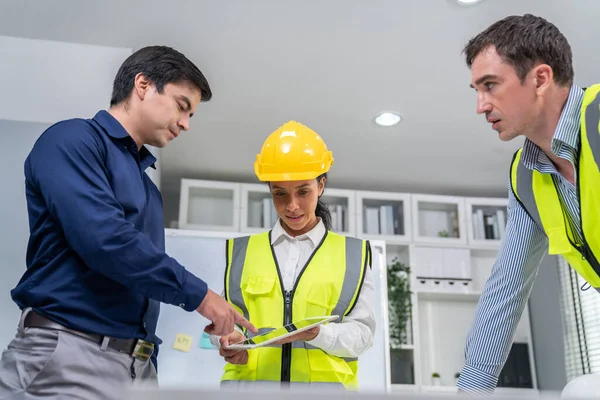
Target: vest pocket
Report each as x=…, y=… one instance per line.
x=315, y=308
x=258, y=293
x=259, y=285
x=318, y=301
x=327, y=368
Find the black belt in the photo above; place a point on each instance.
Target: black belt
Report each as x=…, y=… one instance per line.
x=137, y=348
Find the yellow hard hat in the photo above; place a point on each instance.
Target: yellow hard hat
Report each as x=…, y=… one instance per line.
x=293, y=152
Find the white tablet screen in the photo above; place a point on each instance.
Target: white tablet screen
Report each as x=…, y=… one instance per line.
x=285, y=330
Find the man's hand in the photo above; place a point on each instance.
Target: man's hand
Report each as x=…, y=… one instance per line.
x=306, y=336
x=233, y=356
x=222, y=315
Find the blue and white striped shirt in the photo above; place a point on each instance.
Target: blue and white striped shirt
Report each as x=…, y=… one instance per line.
x=507, y=289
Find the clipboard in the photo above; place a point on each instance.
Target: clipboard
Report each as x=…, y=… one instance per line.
x=281, y=333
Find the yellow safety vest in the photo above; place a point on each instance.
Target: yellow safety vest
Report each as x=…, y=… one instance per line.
x=329, y=284
x=538, y=195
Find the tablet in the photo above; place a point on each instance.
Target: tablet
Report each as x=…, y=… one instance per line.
x=281, y=333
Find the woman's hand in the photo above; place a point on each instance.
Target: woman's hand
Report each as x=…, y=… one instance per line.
x=233, y=356
x=306, y=336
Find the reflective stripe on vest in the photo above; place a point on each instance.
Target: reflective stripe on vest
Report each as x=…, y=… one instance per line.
x=328, y=284
x=538, y=195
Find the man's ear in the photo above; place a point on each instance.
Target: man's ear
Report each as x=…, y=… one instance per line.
x=141, y=85
x=543, y=77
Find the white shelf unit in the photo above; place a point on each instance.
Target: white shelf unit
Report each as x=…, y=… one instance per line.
x=438, y=219
x=442, y=270
x=342, y=205
x=486, y=220
x=444, y=352
x=461, y=265
x=256, y=211
x=445, y=314
x=209, y=205
x=384, y=216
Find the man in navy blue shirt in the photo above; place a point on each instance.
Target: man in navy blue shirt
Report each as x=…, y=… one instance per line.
x=96, y=263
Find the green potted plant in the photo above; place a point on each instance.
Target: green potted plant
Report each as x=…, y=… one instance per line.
x=435, y=379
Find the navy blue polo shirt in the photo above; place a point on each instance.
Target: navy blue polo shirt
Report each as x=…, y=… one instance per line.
x=96, y=257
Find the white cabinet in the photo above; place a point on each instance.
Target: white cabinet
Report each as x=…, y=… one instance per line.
x=257, y=211
x=342, y=205
x=439, y=269
x=384, y=216
x=209, y=205
x=486, y=220
x=448, y=281
x=439, y=219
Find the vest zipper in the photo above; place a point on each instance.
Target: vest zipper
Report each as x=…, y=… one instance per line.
x=286, y=349
x=288, y=297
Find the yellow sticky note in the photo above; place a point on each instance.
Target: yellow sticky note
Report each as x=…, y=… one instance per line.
x=183, y=342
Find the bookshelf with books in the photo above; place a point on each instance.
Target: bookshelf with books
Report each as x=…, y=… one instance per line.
x=486, y=221
x=384, y=216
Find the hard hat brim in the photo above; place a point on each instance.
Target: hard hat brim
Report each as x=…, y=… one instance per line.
x=284, y=177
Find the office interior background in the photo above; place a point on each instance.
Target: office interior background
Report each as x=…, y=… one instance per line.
x=430, y=189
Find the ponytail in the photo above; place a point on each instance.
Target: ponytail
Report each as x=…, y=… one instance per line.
x=322, y=210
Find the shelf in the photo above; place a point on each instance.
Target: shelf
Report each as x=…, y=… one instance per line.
x=342, y=205
x=438, y=219
x=404, y=388
x=257, y=211
x=384, y=216
x=486, y=220
x=440, y=388
x=209, y=206
x=448, y=296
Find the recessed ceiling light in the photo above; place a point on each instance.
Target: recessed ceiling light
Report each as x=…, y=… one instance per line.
x=468, y=1
x=387, y=119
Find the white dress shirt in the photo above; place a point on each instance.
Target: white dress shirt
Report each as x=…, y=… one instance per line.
x=355, y=333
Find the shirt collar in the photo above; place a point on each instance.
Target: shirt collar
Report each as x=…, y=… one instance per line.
x=566, y=133
x=315, y=235
x=114, y=129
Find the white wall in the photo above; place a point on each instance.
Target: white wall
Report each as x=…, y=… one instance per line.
x=14, y=232
x=42, y=82
x=45, y=81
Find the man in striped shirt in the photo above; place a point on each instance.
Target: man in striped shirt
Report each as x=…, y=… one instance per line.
x=522, y=72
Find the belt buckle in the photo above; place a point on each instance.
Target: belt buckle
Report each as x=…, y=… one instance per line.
x=143, y=350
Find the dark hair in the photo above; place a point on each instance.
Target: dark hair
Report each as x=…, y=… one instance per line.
x=322, y=210
x=161, y=65
x=524, y=41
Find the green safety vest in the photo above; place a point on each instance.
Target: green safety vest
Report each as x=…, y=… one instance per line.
x=329, y=284
x=538, y=195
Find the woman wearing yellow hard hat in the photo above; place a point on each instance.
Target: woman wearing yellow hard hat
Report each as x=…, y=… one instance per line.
x=297, y=270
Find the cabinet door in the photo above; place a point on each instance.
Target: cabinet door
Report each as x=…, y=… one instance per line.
x=438, y=219
x=457, y=270
x=209, y=206
x=429, y=265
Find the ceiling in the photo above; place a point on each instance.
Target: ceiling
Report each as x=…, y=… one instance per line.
x=332, y=65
